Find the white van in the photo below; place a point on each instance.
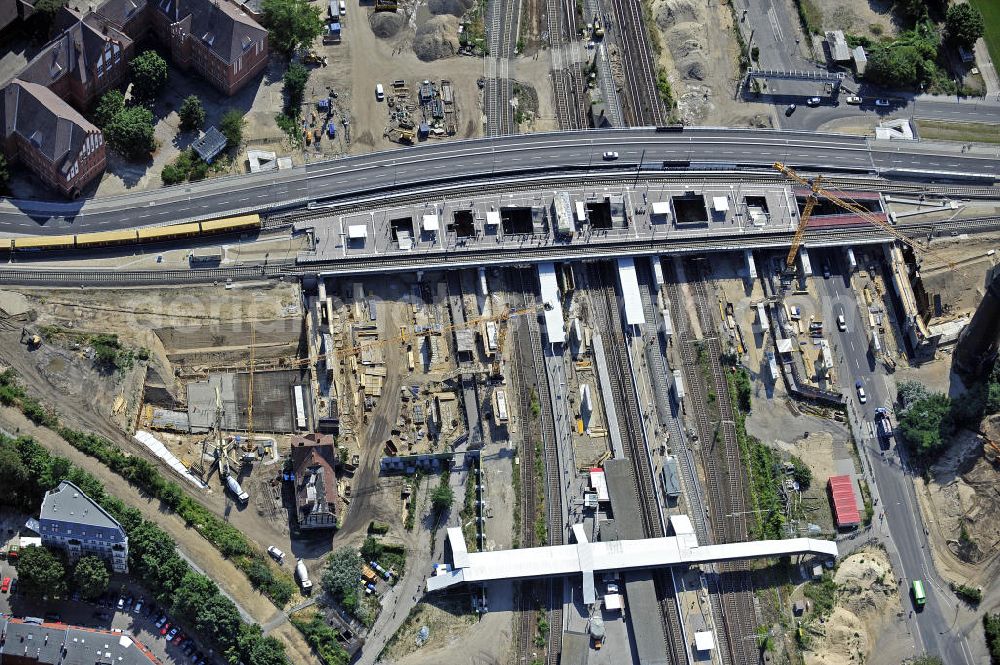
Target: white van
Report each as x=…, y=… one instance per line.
x=841, y=323
x=379, y=92
x=343, y=8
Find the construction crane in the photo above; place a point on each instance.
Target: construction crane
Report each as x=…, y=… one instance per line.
x=253, y=345
x=815, y=191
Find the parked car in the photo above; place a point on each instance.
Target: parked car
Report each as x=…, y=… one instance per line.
x=179, y=640
x=612, y=589
x=276, y=554
x=166, y=629
x=128, y=603
x=882, y=102
x=13, y=585
x=137, y=607
x=790, y=110
x=862, y=397
x=172, y=633
x=379, y=92
x=814, y=101
x=162, y=619
x=610, y=155
x=826, y=271
x=121, y=603
x=5, y=587
x=53, y=617
x=853, y=99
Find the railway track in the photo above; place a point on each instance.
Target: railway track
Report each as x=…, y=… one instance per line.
x=546, y=594
x=602, y=282
x=502, y=16
x=642, y=101
x=721, y=458
x=566, y=77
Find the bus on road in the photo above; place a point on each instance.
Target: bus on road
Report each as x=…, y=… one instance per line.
x=919, y=597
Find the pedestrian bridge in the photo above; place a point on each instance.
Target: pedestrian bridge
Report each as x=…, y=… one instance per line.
x=586, y=558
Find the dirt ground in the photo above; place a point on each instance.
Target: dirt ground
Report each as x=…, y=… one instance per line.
x=701, y=56
x=869, y=18
x=867, y=605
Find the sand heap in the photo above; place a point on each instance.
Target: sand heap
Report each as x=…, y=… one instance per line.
x=386, y=24
x=437, y=38
x=867, y=599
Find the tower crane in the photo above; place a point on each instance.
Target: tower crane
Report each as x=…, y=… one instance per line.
x=253, y=344
x=815, y=191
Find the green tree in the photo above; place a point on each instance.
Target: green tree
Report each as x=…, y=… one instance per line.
x=340, y=577
x=91, y=576
x=110, y=105
x=291, y=23
x=192, y=592
x=149, y=75
x=40, y=572
x=192, y=113
x=253, y=647
x=4, y=174
x=927, y=424
x=442, y=497
x=14, y=476
x=131, y=132
x=371, y=549
x=964, y=24
x=49, y=8
x=231, y=126
x=217, y=619
x=295, y=87
x=991, y=626
x=801, y=473
x=915, y=10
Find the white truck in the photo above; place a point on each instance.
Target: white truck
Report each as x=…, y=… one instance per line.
x=303, y=574
x=237, y=491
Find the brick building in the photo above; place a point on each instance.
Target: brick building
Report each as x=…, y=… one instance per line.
x=313, y=460
x=49, y=137
x=89, y=56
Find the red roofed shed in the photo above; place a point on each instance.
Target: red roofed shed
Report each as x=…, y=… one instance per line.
x=845, y=506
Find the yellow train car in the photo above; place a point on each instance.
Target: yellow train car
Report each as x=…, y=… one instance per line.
x=6, y=244
x=105, y=238
x=158, y=233
x=45, y=242
x=231, y=224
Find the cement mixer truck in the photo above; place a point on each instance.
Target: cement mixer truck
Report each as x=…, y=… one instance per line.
x=303, y=574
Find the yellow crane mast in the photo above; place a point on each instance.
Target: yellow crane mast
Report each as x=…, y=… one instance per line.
x=815, y=191
x=253, y=345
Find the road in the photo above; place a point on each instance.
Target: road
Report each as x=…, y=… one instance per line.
x=935, y=627
x=907, y=106
x=431, y=165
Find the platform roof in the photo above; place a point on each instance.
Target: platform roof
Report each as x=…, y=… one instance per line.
x=550, y=296
x=357, y=231
x=492, y=218
x=621, y=555
x=634, y=314
x=661, y=207
x=599, y=484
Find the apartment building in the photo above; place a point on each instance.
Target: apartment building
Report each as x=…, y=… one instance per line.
x=73, y=522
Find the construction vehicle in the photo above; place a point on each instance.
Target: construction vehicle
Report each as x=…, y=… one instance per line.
x=238, y=492
x=815, y=191
x=303, y=574
x=31, y=340
x=598, y=27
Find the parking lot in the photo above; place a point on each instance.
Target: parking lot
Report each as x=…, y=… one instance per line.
x=106, y=615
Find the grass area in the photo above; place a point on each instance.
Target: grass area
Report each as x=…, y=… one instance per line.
x=823, y=595
x=762, y=464
x=990, y=9
x=468, y=514
x=810, y=16
x=964, y=132
x=515, y=485
x=320, y=637
x=541, y=519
